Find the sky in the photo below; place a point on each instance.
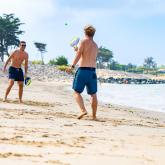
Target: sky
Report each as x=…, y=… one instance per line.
x=132, y=29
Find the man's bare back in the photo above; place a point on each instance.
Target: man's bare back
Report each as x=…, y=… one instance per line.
x=88, y=49
x=85, y=75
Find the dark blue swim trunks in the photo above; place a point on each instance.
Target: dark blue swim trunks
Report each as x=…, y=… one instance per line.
x=16, y=74
x=85, y=76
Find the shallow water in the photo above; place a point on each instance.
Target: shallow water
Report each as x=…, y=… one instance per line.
x=149, y=97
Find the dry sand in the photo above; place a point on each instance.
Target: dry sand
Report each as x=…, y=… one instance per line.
x=45, y=131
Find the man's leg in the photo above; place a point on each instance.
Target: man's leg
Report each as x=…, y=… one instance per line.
x=11, y=83
x=20, y=93
x=94, y=103
x=80, y=102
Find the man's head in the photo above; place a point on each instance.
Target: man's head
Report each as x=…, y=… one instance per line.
x=89, y=30
x=22, y=45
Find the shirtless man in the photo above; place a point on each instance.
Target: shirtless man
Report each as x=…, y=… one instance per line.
x=15, y=70
x=86, y=74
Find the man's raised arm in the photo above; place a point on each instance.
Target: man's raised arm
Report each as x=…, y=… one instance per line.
x=78, y=53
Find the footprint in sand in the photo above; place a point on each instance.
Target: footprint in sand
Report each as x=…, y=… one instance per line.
x=32, y=103
x=45, y=135
x=18, y=137
x=68, y=125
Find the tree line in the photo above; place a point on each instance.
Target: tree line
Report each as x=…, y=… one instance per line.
x=105, y=60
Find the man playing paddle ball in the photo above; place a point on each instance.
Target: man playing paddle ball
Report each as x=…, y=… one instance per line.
x=15, y=70
x=86, y=74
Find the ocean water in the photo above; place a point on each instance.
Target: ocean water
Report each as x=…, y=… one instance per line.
x=149, y=96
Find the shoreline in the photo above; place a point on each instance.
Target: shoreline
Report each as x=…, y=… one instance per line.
x=67, y=84
x=115, y=104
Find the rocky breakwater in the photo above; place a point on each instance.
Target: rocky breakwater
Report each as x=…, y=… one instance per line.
x=52, y=73
x=48, y=73
x=43, y=73
x=120, y=77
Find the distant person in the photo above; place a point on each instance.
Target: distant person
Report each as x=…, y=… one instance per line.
x=15, y=70
x=86, y=74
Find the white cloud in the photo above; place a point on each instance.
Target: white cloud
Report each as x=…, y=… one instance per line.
x=25, y=6
x=35, y=14
x=28, y=10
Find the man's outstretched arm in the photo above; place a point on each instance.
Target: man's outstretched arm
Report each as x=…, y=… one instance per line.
x=6, y=63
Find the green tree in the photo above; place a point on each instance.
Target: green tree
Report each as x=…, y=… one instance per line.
x=61, y=60
x=149, y=64
x=130, y=67
x=162, y=67
x=9, y=32
x=41, y=48
x=104, y=56
x=113, y=65
x=137, y=69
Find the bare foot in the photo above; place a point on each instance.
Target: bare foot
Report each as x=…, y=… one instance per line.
x=82, y=115
x=94, y=118
x=4, y=100
x=20, y=101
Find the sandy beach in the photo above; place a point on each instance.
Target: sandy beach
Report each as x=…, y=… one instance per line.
x=45, y=130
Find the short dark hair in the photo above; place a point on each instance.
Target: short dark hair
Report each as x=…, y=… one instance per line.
x=89, y=30
x=22, y=42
